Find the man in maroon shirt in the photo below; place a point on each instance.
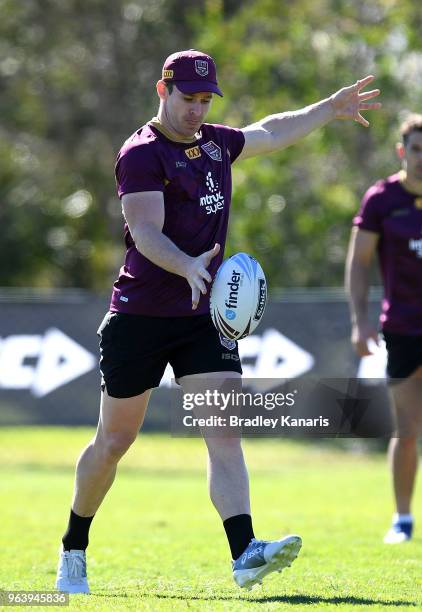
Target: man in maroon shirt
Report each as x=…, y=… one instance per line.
x=174, y=181
x=389, y=223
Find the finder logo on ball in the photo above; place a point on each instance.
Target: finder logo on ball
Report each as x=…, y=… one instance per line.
x=238, y=296
x=233, y=285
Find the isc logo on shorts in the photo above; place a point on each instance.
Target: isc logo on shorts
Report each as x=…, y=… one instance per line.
x=193, y=152
x=230, y=356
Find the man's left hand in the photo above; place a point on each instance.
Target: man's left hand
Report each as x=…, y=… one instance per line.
x=348, y=102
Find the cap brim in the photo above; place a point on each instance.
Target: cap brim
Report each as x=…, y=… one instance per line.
x=190, y=87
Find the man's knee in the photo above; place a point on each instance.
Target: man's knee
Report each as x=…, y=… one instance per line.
x=223, y=447
x=406, y=440
x=407, y=427
x=113, y=445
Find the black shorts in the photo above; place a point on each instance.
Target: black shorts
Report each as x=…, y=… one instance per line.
x=404, y=355
x=135, y=350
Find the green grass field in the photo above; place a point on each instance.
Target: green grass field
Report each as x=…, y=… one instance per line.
x=158, y=544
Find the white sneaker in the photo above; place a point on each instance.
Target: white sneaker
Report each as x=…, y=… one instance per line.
x=71, y=572
x=400, y=532
x=261, y=558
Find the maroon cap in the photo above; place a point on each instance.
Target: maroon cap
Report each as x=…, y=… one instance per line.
x=192, y=72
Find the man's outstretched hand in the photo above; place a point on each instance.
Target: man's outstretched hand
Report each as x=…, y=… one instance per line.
x=348, y=102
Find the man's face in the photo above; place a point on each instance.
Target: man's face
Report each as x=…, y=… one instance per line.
x=412, y=154
x=186, y=112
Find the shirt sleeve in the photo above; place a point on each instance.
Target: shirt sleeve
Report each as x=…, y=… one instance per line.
x=234, y=140
x=370, y=215
x=139, y=169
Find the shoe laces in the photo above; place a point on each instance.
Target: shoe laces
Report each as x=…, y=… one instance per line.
x=257, y=542
x=76, y=566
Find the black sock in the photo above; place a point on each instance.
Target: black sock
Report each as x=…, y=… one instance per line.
x=239, y=533
x=76, y=536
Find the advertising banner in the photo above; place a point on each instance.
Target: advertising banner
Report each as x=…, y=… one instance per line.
x=49, y=370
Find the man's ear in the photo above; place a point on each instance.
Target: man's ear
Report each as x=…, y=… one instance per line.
x=400, y=152
x=162, y=90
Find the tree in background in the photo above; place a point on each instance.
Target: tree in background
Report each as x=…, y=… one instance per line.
x=293, y=209
x=76, y=78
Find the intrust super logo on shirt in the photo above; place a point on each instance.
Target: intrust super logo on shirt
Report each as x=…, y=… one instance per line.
x=213, y=201
x=193, y=152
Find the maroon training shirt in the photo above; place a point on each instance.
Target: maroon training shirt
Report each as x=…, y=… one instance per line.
x=195, y=179
x=396, y=215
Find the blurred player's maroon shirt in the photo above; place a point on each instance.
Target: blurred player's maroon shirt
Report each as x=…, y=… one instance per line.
x=396, y=215
x=195, y=179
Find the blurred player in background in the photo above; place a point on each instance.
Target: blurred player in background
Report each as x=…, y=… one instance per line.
x=174, y=181
x=389, y=223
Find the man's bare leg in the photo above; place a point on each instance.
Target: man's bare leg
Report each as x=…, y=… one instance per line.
x=229, y=490
x=118, y=426
x=403, y=448
x=119, y=423
x=227, y=474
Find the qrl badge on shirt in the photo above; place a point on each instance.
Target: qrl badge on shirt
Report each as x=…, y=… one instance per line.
x=212, y=150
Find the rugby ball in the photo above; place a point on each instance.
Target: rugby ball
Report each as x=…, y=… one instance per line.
x=238, y=296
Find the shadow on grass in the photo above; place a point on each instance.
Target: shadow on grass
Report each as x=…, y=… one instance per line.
x=307, y=600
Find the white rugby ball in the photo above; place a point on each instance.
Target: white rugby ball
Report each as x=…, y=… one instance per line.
x=238, y=296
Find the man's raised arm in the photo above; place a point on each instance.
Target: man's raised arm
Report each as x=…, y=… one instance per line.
x=276, y=132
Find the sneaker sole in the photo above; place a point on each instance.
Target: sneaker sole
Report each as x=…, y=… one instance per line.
x=71, y=589
x=289, y=550
x=399, y=539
